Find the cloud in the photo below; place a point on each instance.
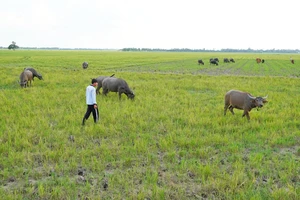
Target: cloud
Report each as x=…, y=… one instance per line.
x=150, y=24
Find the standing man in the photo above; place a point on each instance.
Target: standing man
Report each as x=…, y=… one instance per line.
x=91, y=102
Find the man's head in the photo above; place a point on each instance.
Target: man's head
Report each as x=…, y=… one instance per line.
x=94, y=82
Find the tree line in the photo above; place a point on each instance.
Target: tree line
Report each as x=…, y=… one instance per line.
x=14, y=46
x=249, y=50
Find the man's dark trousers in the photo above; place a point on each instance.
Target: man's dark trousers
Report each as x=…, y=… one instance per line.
x=91, y=109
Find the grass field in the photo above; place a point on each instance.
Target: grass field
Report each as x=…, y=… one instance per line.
x=171, y=142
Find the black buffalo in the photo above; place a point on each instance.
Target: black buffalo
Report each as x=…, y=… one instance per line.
x=35, y=73
x=226, y=60
x=214, y=62
x=99, y=80
x=112, y=84
x=200, y=62
x=85, y=65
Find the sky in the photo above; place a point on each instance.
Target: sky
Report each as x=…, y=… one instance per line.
x=164, y=24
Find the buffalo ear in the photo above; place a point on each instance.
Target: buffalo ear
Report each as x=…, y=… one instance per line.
x=265, y=101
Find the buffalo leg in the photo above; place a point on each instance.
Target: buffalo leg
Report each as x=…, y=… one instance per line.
x=98, y=89
x=231, y=109
x=225, y=109
x=104, y=91
x=246, y=113
x=120, y=91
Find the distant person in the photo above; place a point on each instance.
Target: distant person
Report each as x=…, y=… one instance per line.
x=91, y=102
x=292, y=60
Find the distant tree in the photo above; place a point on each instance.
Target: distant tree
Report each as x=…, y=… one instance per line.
x=13, y=46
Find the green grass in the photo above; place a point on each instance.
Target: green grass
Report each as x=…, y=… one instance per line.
x=171, y=142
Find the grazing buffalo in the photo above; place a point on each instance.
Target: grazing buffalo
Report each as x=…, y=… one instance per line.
x=34, y=73
x=119, y=85
x=243, y=101
x=226, y=60
x=200, y=62
x=262, y=61
x=216, y=59
x=85, y=65
x=99, y=80
x=258, y=60
x=214, y=62
x=232, y=60
x=25, y=77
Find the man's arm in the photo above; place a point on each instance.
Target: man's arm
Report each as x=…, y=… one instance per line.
x=94, y=98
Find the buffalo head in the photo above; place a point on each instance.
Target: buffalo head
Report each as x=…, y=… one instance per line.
x=258, y=101
x=131, y=95
x=23, y=83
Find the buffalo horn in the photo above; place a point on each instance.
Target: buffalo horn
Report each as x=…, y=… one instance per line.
x=250, y=96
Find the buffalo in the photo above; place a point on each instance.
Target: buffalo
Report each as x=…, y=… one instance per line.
x=112, y=84
x=243, y=101
x=99, y=80
x=34, y=73
x=231, y=60
x=200, y=62
x=216, y=59
x=25, y=77
x=85, y=65
x=258, y=60
x=226, y=60
x=213, y=62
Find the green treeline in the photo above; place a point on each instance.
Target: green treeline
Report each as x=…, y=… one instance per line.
x=249, y=50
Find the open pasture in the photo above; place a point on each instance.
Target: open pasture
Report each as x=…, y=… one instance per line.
x=171, y=142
